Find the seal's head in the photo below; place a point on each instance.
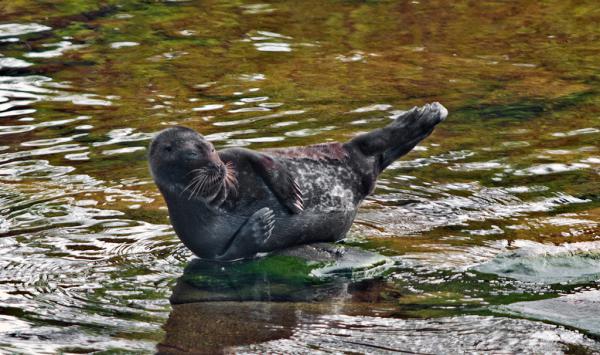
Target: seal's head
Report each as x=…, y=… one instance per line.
x=182, y=161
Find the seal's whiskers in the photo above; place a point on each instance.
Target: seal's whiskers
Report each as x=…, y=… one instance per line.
x=208, y=183
x=230, y=176
x=192, y=183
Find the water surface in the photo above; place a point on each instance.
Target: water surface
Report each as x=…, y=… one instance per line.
x=499, y=206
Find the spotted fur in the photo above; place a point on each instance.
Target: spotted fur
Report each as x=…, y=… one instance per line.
x=317, y=152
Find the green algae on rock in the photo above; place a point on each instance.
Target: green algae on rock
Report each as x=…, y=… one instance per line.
x=307, y=272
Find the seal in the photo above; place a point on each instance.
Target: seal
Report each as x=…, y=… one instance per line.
x=236, y=203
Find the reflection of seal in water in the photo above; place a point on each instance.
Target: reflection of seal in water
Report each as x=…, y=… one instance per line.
x=236, y=203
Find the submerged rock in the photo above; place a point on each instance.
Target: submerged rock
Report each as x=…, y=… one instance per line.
x=303, y=273
x=535, y=262
x=579, y=310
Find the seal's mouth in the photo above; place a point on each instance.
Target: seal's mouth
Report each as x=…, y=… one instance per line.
x=207, y=181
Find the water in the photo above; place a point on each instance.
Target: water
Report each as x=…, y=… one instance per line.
x=498, y=208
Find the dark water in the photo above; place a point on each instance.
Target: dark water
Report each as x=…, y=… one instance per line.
x=497, y=211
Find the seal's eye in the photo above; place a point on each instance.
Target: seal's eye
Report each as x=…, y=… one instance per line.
x=168, y=148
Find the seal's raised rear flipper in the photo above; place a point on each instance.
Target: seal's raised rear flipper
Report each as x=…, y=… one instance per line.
x=401, y=136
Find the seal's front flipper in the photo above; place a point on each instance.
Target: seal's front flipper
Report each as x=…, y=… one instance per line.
x=274, y=174
x=280, y=181
x=251, y=236
x=259, y=226
x=401, y=136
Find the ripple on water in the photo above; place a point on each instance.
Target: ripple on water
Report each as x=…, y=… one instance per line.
x=256, y=9
x=51, y=141
x=306, y=132
x=16, y=129
x=354, y=56
x=270, y=104
x=465, y=334
x=127, y=150
x=437, y=206
x=250, y=109
x=435, y=159
x=576, y=132
x=208, y=107
x=61, y=47
x=17, y=112
x=17, y=29
x=56, y=149
x=117, y=45
x=273, y=47
x=68, y=268
x=473, y=166
x=254, y=99
x=371, y=108
x=36, y=339
x=259, y=118
x=266, y=41
x=13, y=63
x=23, y=91
x=31, y=169
x=457, y=258
x=124, y=135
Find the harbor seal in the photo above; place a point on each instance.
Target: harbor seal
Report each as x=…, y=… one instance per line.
x=236, y=203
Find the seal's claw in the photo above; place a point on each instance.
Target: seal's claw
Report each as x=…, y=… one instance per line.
x=263, y=222
x=299, y=206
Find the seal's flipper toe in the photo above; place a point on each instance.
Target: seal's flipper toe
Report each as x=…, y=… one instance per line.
x=443, y=112
x=261, y=224
x=432, y=114
x=419, y=119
